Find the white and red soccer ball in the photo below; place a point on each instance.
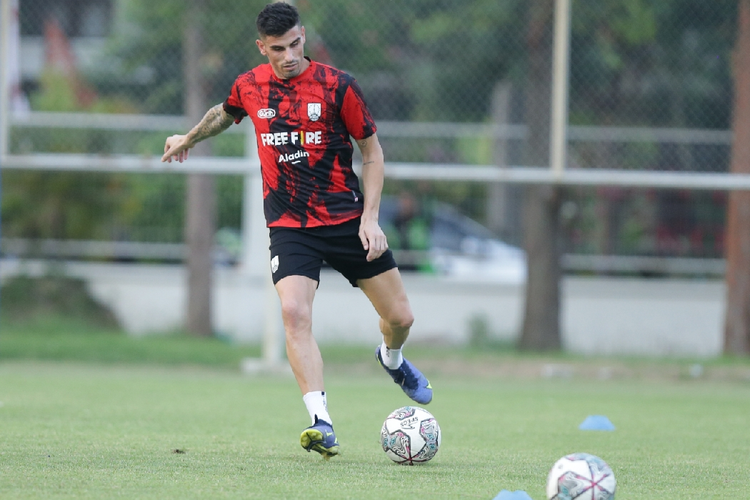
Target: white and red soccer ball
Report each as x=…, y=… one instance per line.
x=410, y=435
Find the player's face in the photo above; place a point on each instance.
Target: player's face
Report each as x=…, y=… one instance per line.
x=286, y=52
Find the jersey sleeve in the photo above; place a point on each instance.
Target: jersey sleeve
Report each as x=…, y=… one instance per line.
x=356, y=114
x=233, y=104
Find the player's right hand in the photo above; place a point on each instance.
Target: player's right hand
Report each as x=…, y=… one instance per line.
x=176, y=148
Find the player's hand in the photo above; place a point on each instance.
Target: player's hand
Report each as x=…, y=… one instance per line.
x=373, y=239
x=176, y=148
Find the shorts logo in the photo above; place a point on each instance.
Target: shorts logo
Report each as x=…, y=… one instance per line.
x=275, y=264
x=314, y=110
x=266, y=113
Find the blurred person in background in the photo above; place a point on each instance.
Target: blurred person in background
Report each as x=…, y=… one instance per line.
x=304, y=113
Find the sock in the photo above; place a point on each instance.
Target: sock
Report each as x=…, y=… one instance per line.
x=317, y=406
x=392, y=358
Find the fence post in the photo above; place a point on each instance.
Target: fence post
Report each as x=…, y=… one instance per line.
x=254, y=262
x=5, y=25
x=254, y=244
x=560, y=82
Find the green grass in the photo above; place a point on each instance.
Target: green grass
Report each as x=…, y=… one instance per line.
x=56, y=338
x=83, y=431
x=98, y=425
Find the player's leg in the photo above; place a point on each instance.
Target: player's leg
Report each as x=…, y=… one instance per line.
x=381, y=281
x=296, y=294
x=387, y=294
x=295, y=269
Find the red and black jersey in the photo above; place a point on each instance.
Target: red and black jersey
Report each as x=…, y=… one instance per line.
x=303, y=127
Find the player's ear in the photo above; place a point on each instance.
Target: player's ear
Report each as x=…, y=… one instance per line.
x=261, y=47
x=302, y=30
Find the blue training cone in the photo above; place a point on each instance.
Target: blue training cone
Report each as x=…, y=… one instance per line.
x=596, y=423
x=515, y=495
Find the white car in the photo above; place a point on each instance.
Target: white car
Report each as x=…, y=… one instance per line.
x=453, y=245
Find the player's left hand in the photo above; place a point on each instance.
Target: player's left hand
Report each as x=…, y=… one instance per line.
x=373, y=239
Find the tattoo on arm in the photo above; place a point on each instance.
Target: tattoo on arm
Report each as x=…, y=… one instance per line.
x=362, y=143
x=367, y=163
x=215, y=121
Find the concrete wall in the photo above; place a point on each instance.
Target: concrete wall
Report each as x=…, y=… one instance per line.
x=599, y=315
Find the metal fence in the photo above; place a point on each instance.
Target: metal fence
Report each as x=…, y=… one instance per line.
x=461, y=90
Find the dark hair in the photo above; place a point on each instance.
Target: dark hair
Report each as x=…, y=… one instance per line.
x=276, y=19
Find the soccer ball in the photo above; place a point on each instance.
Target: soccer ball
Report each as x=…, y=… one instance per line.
x=410, y=435
x=581, y=476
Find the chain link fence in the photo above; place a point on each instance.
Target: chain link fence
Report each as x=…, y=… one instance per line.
x=650, y=90
x=460, y=82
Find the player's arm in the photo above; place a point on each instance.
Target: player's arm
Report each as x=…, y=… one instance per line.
x=373, y=172
x=214, y=122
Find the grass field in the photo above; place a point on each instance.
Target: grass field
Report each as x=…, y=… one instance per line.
x=168, y=421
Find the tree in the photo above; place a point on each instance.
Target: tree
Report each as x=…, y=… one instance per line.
x=214, y=47
x=541, y=321
x=200, y=209
x=737, y=316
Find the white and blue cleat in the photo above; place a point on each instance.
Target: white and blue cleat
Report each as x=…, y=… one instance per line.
x=411, y=380
x=321, y=438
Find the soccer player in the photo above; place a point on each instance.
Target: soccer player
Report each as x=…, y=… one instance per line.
x=304, y=114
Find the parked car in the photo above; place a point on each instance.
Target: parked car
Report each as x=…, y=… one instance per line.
x=441, y=240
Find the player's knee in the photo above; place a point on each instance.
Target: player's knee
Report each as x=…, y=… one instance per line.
x=296, y=316
x=402, y=321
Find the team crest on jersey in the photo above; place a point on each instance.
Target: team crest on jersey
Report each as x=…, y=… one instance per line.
x=314, y=110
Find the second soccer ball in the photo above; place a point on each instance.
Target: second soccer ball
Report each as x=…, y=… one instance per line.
x=581, y=476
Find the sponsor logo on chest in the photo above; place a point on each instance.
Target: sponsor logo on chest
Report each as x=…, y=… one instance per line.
x=294, y=157
x=266, y=113
x=299, y=137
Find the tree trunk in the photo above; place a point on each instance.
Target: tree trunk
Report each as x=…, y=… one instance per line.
x=737, y=318
x=542, y=231
x=200, y=209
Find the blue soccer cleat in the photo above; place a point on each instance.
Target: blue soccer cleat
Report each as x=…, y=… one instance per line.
x=321, y=438
x=411, y=380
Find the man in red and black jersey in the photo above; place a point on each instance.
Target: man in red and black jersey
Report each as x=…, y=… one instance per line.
x=304, y=114
x=303, y=126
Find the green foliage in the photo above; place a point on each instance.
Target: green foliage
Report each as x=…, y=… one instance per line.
x=59, y=205
x=359, y=45
x=155, y=209
x=460, y=51
x=652, y=63
x=439, y=60
x=57, y=93
x=148, y=42
x=102, y=206
x=133, y=207
x=25, y=300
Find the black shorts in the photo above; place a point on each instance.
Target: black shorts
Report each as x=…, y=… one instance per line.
x=301, y=252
